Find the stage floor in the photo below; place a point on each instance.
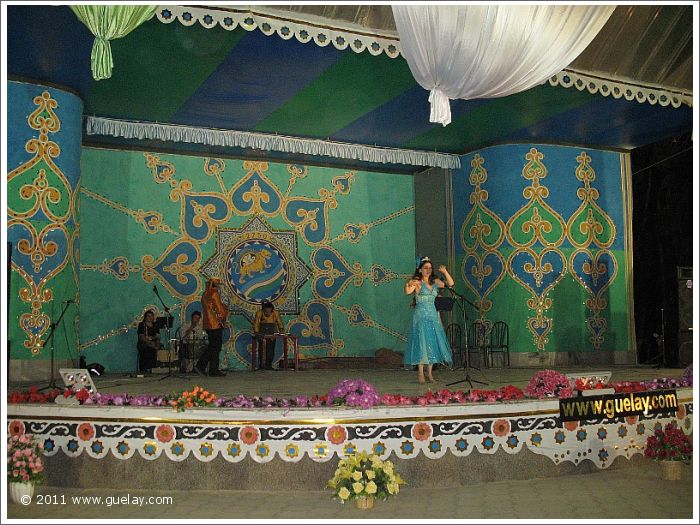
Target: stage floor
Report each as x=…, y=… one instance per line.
x=309, y=382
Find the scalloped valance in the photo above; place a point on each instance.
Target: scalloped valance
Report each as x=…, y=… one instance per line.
x=265, y=142
x=285, y=28
x=569, y=78
x=344, y=36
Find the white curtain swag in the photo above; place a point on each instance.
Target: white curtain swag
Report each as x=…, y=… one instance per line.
x=472, y=52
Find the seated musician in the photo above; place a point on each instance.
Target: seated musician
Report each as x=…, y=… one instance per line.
x=148, y=342
x=192, y=340
x=267, y=321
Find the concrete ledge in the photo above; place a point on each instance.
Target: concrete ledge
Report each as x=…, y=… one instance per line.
x=306, y=474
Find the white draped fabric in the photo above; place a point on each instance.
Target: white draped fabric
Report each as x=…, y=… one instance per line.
x=490, y=51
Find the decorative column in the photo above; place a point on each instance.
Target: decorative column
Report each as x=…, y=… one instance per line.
x=44, y=141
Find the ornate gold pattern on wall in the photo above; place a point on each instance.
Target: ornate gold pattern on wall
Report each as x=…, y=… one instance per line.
x=262, y=261
x=44, y=202
x=538, y=270
x=151, y=220
x=594, y=269
x=481, y=235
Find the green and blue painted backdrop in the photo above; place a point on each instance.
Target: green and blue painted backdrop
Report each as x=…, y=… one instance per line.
x=543, y=242
x=43, y=151
x=329, y=247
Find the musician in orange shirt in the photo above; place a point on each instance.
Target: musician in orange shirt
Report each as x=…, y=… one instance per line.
x=214, y=317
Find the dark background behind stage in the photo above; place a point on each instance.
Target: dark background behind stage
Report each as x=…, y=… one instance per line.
x=662, y=183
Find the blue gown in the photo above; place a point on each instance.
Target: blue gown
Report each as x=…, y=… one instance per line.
x=427, y=342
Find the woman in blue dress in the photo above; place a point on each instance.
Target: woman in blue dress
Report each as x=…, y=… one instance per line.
x=427, y=343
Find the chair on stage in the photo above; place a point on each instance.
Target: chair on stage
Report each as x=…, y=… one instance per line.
x=499, y=343
x=477, y=342
x=454, y=337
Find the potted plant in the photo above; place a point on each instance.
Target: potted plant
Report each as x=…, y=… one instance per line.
x=363, y=477
x=25, y=467
x=670, y=446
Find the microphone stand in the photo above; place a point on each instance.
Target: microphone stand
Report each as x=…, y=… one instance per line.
x=467, y=362
x=168, y=323
x=52, y=379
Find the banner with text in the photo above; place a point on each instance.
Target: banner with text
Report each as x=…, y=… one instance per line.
x=610, y=406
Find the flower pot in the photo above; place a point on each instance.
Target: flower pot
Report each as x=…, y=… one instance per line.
x=364, y=502
x=21, y=493
x=671, y=470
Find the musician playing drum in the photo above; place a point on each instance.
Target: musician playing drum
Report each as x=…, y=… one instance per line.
x=214, y=321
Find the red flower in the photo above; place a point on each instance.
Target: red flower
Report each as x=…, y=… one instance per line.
x=422, y=431
x=82, y=394
x=336, y=434
x=86, y=431
x=165, y=433
x=671, y=442
x=501, y=427
x=16, y=428
x=249, y=435
x=570, y=425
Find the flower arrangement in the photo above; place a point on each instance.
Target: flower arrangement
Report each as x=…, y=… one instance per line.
x=662, y=383
x=626, y=387
x=24, y=463
x=364, y=475
x=671, y=443
x=353, y=392
x=198, y=397
x=549, y=383
x=589, y=384
x=81, y=394
x=33, y=395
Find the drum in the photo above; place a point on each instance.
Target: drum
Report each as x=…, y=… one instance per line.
x=169, y=354
x=190, y=351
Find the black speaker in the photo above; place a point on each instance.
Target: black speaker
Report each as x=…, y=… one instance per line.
x=96, y=369
x=685, y=316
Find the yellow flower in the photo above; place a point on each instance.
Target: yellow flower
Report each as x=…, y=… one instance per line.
x=371, y=487
x=388, y=469
x=370, y=474
x=357, y=487
x=376, y=462
x=357, y=475
x=343, y=493
x=392, y=487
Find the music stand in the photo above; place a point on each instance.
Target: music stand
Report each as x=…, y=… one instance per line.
x=467, y=362
x=165, y=322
